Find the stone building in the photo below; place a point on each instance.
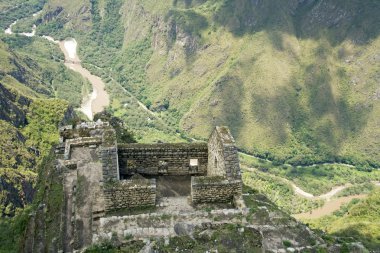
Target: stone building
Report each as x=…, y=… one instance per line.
x=129, y=175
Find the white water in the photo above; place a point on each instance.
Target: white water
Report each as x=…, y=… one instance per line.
x=98, y=99
x=301, y=192
x=326, y=196
x=33, y=33
x=9, y=29
x=71, y=48
x=51, y=39
x=86, y=106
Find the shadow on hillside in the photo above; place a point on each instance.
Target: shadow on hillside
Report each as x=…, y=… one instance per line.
x=192, y=24
x=335, y=20
x=228, y=90
x=321, y=119
x=188, y=3
x=355, y=232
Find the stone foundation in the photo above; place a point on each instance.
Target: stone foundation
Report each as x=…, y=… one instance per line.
x=129, y=194
x=214, y=189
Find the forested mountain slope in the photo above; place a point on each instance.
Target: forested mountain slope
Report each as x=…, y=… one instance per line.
x=296, y=81
x=31, y=75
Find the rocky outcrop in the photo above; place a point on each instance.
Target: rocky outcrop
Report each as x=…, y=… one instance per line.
x=12, y=107
x=16, y=190
x=50, y=15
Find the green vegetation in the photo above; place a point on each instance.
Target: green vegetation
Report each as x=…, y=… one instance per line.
x=18, y=9
x=11, y=231
x=298, y=84
x=287, y=243
x=364, y=188
x=22, y=158
x=122, y=68
x=316, y=179
x=14, y=230
x=279, y=192
x=39, y=66
x=31, y=71
x=106, y=247
x=358, y=220
x=14, y=151
x=43, y=119
x=16, y=191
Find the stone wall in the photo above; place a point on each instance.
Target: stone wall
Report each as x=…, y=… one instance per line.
x=223, y=158
x=163, y=159
x=109, y=160
x=109, y=156
x=79, y=142
x=214, y=189
x=129, y=194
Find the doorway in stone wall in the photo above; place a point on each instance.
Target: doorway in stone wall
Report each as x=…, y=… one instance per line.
x=173, y=193
x=173, y=186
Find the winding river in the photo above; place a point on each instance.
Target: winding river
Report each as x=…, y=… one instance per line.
x=329, y=207
x=332, y=203
x=97, y=100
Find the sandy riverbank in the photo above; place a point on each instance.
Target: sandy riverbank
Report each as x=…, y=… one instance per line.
x=99, y=98
x=328, y=208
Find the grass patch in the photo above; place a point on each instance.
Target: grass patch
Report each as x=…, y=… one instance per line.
x=357, y=220
x=279, y=192
x=317, y=179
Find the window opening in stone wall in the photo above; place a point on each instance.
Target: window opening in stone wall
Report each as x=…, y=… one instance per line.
x=193, y=168
x=193, y=162
x=216, y=163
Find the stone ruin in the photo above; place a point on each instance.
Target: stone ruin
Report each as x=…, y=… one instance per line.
x=102, y=176
x=118, y=192
x=129, y=171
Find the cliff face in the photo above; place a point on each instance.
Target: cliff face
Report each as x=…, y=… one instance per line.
x=17, y=190
x=27, y=120
x=16, y=183
x=11, y=107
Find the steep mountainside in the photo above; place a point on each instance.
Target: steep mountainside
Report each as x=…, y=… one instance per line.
x=296, y=81
x=30, y=75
